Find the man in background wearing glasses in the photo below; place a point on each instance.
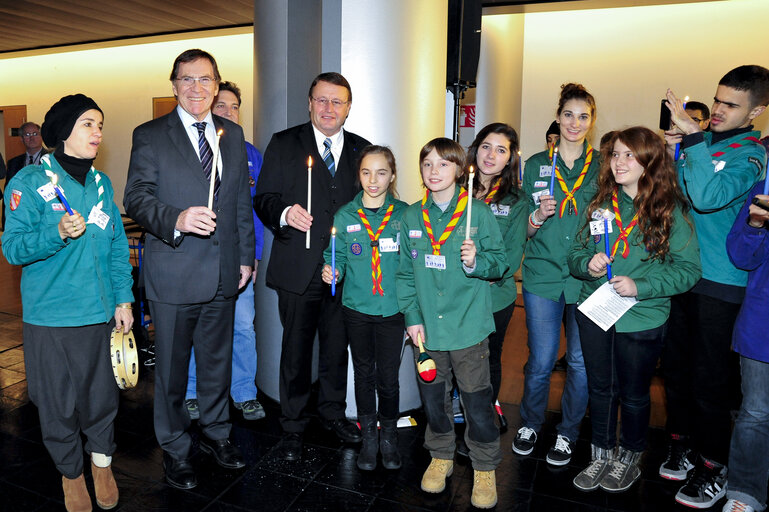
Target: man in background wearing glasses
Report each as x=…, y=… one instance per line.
x=196, y=258
x=33, y=144
x=305, y=303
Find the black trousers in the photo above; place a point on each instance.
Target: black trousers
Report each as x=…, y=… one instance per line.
x=301, y=316
x=376, y=343
x=70, y=380
x=177, y=327
x=696, y=368
x=496, y=341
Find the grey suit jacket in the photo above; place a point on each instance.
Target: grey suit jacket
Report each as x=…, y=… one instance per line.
x=165, y=177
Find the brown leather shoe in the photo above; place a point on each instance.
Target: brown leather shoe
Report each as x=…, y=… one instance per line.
x=76, y=498
x=105, y=487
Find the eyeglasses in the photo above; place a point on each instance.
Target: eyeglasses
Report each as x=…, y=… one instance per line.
x=30, y=134
x=323, y=102
x=188, y=81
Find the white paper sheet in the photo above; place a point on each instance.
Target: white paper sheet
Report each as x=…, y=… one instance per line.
x=605, y=306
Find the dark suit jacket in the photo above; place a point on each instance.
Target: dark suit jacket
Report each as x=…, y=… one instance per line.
x=164, y=178
x=17, y=163
x=283, y=183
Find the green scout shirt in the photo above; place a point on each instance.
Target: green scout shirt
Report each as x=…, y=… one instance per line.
x=454, y=306
x=92, y=272
x=353, y=256
x=717, y=187
x=656, y=281
x=545, y=271
x=511, y=213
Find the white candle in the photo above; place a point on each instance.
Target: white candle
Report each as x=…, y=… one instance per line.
x=214, y=170
x=469, y=202
x=309, y=198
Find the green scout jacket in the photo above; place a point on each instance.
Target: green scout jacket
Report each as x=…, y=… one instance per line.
x=65, y=283
x=545, y=272
x=717, y=187
x=353, y=256
x=656, y=281
x=455, y=307
x=512, y=219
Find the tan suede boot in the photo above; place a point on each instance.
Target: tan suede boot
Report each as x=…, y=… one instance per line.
x=484, y=489
x=76, y=497
x=105, y=487
x=434, y=479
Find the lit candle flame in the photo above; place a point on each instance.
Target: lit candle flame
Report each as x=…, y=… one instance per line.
x=472, y=171
x=309, y=161
x=220, y=132
x=333, y=231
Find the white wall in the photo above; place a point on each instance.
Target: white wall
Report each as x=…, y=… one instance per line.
x=627, y=58
x=122, y=80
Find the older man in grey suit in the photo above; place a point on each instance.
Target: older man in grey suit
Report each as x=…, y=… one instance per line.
x=195, y=258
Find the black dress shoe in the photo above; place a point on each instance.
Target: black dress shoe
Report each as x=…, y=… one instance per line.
x=226, y=454
x=344, y=430
x=291, y=446
x=179, y=472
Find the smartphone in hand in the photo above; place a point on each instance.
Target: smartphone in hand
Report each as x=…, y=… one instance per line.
x=665, y=123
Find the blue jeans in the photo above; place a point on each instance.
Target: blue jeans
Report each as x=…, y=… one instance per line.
x=620, y=367
x=749, y=452
x=243, y=385
x=543, y=321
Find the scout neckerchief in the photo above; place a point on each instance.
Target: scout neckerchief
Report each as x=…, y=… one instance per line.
x=46, y=161
x=735, y=145
x=458, y=211
x=490, y=196
x=376, y=268
x=623, y=233
x=569, y=199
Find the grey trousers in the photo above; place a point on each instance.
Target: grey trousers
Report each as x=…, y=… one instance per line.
x=470, y=366
x=70, y=380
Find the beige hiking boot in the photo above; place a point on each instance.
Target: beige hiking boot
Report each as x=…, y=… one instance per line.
x=76, y=497
x=484, y=489
x=105, y=487
x=434, y=479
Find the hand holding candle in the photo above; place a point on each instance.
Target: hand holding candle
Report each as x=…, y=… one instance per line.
x=425, y=364
x=309, y=199
x=214, y=170
x=333, y=261
x=469, y=202
x=60, y=193
x=607, y=250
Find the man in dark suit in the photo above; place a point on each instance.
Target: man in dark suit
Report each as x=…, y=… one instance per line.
x=305, y=303
x=195, y=258
x=34, y=150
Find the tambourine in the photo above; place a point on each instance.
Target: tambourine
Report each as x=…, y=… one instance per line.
x=125, y=358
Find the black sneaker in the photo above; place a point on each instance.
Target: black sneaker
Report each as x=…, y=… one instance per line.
x=705, y=487
x=192, y=408
x=560, y=453
x=524, y=441
x=252, y=409
x=678, y=464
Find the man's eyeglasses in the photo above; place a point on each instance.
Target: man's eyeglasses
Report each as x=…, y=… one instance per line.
x=323, y=102
x=188, y=81
x=30, y=134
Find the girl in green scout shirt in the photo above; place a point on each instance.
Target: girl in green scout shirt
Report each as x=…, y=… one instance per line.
x=654, y=254
x=368, y=234
x=494, y=154
x=446, y=301
x=549, y=292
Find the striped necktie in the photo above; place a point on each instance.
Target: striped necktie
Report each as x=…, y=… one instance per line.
x=328, y=158
x=206, y=155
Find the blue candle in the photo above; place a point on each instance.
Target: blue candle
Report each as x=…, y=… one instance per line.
x=333, y=261
x=552, y=170
x=606, y=245
x=766, y=179
x=63, y=200
x=520, y=169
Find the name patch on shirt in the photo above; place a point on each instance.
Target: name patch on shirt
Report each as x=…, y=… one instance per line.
x=545, y=171
x=436, y=261
x=352, y=228
x=596, y=227
x=98, y=217
x=415, y=233
x=535, y=195
x=388, y=245
x=58, y=207
x=503, y=210
x=47, y=192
